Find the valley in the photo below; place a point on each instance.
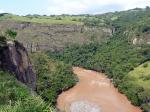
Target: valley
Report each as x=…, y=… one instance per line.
x=109, y=53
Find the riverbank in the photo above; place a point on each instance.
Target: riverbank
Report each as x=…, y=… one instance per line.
x=94, y=90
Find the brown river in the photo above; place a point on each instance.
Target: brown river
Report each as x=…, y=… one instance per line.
x=94, y=93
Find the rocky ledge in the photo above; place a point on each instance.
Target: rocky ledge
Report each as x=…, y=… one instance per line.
x=14, y=59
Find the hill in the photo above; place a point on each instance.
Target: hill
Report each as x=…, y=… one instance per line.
x=115, y=43
x=52, y=32
x=120, y=54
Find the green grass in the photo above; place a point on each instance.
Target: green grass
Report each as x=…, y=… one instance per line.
x=44, y=19
x=30, y=104
x=141, y=75
x=11, y=90
x=137, y=85
x=16, y=97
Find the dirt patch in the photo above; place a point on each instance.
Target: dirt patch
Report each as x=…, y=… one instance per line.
x=96, y=89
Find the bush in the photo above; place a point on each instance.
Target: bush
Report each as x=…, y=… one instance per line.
x=58, y=18
x=53, y=77
x=145, y=65
x=11, y=34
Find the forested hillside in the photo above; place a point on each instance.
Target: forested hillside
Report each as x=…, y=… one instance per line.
x=22, y=90
x=119, y=55
x=117, y=44
x=53, y=77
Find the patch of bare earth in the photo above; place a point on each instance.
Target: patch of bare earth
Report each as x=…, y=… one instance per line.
x=93, y=93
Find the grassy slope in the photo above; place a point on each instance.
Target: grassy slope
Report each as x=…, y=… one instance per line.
x=141, y=75
x=139, y=81
x=44, y=19
x=16, y=97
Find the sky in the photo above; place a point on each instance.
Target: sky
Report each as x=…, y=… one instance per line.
x=57, y=7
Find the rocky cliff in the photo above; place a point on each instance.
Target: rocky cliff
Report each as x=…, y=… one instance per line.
x=14, y=59
x=53, y=37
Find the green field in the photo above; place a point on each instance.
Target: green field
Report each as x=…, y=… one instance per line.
x=44, y=19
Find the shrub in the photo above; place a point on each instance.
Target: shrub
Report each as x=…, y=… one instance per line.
x=145, y=65
x=53, y=77
x=58, y=18
x=11, y=34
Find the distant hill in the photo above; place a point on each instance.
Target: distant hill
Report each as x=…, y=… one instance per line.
x=53, y=32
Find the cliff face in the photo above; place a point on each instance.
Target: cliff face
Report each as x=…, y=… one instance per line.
x=14, y=59
x=53, y=37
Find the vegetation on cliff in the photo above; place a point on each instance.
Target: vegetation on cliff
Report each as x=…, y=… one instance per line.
x=16, y=97
x=118, y=56
x=123, y=60
x=53, y=76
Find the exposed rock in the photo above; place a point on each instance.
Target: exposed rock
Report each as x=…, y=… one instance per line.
x=14, y=59
x=53, y=37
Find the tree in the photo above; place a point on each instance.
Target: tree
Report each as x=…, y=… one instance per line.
x=10, y=34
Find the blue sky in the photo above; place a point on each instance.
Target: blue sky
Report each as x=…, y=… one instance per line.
x=48, y=7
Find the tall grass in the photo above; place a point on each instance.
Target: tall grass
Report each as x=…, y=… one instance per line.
x=16, y=97
x=30, y=104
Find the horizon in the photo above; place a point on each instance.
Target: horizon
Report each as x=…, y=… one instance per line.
x=69, y=7
x=72, y=14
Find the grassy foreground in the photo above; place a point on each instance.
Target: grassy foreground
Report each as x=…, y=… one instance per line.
x=16, y=97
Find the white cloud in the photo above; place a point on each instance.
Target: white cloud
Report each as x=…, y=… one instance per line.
x=2, y=11
x=93, y=6
x=66, y=6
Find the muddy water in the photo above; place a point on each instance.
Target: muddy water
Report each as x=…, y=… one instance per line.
x=95, y=88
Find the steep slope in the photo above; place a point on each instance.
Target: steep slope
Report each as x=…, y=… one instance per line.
x=127, y=48
x=119, y=55
x=55, y=36
x=14, y=58
x=53, y=76
x=16, y=97
x=139, y=81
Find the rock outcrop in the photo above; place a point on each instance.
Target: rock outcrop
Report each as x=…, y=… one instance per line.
x=53, y=37
x=14, y=59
